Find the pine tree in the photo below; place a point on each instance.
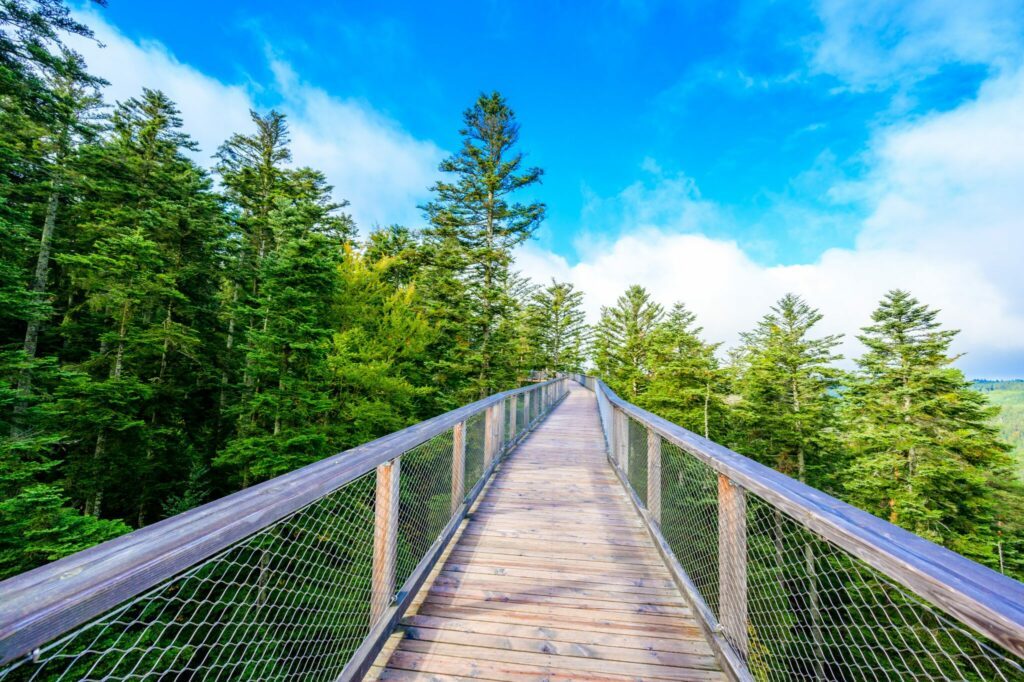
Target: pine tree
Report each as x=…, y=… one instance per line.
x=143, y=263
x=474, y=226
x=925, y=454
x=287, y=281
x=622, y=342
x=558, y=331
x=687, y=385
x=788, y=386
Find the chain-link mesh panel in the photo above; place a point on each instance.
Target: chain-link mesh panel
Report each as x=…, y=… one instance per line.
x=508, y=434
x=689, y=518
x=476, y=428
x=424, y=506
x=818, y=613
x=290, y=602
x=636, y=442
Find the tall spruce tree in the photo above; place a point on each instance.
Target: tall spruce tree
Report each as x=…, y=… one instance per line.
x=143, y=263
x=280, y=310
x=622, y=341
x=788, y=384
x=926, y=456
x=474, y=226
x=558, y=333
x=687, y=385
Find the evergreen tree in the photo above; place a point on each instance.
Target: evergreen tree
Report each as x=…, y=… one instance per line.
x=474, y=226
x=788, y=385
x=622, y=342
x=287, y=282
x=925, y=454
x=143, y=264
x=687, y=385
x=558, y=330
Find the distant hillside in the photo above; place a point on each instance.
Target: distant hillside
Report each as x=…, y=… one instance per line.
x=1009, y=395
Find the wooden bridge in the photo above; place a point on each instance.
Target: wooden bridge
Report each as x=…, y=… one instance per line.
x=553, y=532
x=553, y=577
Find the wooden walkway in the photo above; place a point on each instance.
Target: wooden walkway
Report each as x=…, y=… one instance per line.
x=552, y=578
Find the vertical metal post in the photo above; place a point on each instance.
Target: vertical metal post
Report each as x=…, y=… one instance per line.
x=622, y=440
x=489, y=436
x=732, y=562
x=385, y=538
x=654, y=475
x=513, y=418
x=526, y=409
x=458, y=465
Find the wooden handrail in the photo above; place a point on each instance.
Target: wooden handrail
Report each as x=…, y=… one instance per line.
x=987, y=601
x=41, y=604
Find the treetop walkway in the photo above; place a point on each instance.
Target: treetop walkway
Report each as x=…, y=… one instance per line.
x=554, y=532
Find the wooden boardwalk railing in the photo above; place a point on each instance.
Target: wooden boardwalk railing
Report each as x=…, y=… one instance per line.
x=528, y=536
x=554, y=577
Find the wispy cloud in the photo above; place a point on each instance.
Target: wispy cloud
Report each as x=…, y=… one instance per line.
x=944, y=219
x=369, y=158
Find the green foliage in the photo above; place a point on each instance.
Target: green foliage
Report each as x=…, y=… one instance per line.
x=558, y=333
x=1008, y=396
x=474, y=226
x=786, y=417
x=622, y=342
x=687, y=385
x=925, y=455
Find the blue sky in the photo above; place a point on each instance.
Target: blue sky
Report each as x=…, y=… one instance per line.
x=726, y=152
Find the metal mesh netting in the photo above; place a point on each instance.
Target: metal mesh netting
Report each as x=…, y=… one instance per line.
x=475, y=435
x=813, y=611
x=818, y=613
x=636, y=442
x=425, y=498
x=689, y=518
x=291, y=601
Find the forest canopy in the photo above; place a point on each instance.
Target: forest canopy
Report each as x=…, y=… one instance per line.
x=170, y=333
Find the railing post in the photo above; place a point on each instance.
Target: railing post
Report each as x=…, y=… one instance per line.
x=526, y=409
x=458, y=465
x=654, y=475
x=621, y=440
x=490, y=427
x=513, y=417
x=385, y=538
x=732, y=562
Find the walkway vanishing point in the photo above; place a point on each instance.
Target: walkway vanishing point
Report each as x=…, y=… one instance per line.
x=554, y=577
x=551, y=532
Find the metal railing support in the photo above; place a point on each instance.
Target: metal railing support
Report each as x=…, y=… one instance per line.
x=732, y=562
x=458, y=465
x=654, y=475
x=385, y=537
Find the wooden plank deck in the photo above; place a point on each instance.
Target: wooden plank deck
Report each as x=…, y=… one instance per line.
x=553, y=578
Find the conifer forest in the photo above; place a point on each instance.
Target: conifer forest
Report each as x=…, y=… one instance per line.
x=172, y=332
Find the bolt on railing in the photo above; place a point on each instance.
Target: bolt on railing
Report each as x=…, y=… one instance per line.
x=790, y=583
x=303, y=576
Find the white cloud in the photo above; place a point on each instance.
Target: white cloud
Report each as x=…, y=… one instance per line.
x=945, y=219
x=371, y=161
x=877, y=43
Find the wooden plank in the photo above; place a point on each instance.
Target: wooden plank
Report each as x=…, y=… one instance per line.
x=569, y=659
x=385, y=538
x=694, y=644
x=547, y=646
x=654, y=475
x=732, y=562
x=458, y=465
